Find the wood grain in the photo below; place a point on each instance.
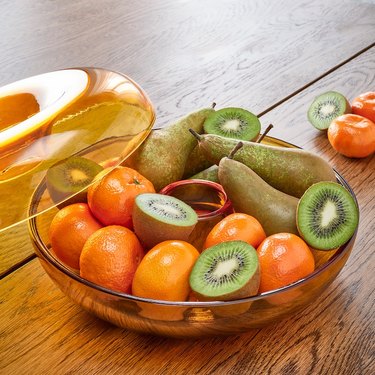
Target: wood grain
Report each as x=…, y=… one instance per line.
x=41, y=329
x=185, y=54
x=250, y=54
x=44, y=331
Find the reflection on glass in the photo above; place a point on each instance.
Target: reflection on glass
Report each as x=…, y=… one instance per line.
x=95, y=113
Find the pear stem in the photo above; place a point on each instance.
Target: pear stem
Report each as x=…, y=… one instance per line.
x=196, y=135
x=235, y=149
x=213, y=105
x=260, y=139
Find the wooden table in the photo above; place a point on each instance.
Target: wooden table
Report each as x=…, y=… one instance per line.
x=272, y=57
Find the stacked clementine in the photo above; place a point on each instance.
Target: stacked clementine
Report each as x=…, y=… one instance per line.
x=69, y=231
x=164, y=271
x=95, y=238
x=111, y=198
x=236, y=226
x=110, y=257
x=284, y=258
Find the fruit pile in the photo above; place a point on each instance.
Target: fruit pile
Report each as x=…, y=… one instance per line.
x=126, y=235
x=350, y=128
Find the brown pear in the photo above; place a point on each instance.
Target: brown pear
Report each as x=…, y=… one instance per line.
x=250, y=194
x=290, y=170
x=163, y=155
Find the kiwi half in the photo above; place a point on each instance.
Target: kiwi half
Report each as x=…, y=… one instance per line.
x=70, y=176
x=227, y=271
x=327, y=107
x=327, y=215
x=158, y=217
x=232, y=122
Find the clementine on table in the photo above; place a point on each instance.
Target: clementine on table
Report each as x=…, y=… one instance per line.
x=69, y=230
x=364, y=105
x=352, y=135
x=111, y=198
x=164, y=272
x=110, y=257
x=236, y=226
x=283, y=259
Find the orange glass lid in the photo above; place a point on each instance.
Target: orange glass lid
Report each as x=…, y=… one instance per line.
x=62, y=128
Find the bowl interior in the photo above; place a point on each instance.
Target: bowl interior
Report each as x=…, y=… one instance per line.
x=188, y=318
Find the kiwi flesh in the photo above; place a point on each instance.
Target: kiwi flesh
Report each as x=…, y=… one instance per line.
x=158, y=218
x=327, y=216
x=327, y=107
x=226, y=271
x=70, y=177
x=234, y=123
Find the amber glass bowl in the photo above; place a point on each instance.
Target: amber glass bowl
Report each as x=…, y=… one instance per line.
x=100, y=115
x=186, y=319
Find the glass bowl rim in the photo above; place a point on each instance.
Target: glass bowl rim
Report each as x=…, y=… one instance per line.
x=53, y=261
x=214, y=185
x=120, y=160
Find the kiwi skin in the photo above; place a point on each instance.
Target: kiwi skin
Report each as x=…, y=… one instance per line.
x=347, y=211
x=151, y=230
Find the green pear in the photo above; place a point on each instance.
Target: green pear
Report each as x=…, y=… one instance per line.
x=163, y=155
x=209, y=174
x=250, y=194
x=197, y=162
x=289, y=170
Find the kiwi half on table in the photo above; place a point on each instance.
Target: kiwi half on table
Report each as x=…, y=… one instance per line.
x=158, y=217
x=327, y=215
x=233, y=122
x=70, y=176
x=327, y=107
x=227, y=271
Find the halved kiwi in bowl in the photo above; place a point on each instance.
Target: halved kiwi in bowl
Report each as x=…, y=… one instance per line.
x=327, y=215
x=226, y=271
x=158, y=217
x=69, y=177
x=231, y=122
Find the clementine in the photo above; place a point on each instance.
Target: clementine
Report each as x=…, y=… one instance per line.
x=364, y=105
x=69, y=230
x=111, y=198
x=283, y=258
x=163, y=273
x=352, y=135
x=236, y=226
x=110, y=257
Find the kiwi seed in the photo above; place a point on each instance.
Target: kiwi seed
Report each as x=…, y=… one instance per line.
x=327, y=107
x=232, y=122
x=327, y=215
x=166, y=207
